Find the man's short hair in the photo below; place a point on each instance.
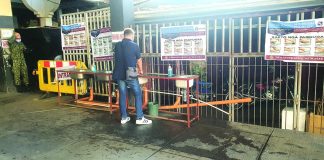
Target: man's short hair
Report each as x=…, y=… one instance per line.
x=128, y=31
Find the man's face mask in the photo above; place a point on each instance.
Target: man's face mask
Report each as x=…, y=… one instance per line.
x=18, y=40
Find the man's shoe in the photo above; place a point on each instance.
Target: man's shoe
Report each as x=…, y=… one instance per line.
x=124, y=120
x=143, y=121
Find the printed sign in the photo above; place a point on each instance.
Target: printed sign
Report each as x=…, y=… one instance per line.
x=297, y=41
x=183, y=42
x=101, y=44
x=74, y=37
x=64, y=75
x=4, y=44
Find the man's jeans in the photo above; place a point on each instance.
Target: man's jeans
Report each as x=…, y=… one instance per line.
x=136, y=89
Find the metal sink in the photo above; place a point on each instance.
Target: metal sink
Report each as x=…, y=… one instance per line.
x=183, y=83
x=103, y=76
x=81, y=74
x=142, y=80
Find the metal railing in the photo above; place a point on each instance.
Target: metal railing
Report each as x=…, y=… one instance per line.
x=235, y=65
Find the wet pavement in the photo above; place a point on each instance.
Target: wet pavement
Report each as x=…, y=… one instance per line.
x=31, y=128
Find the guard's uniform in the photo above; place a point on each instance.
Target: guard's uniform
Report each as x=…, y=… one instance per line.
x=19, y=67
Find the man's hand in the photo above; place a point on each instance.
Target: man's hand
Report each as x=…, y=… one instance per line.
x=140, y=72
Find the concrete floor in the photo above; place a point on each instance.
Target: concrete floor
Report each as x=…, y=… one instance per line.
x=40, y=129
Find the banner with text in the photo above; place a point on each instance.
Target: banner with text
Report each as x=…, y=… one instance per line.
x=297, y=41
x=74, y=37
x=63, y=75
x=183, y=42
x=101, y=44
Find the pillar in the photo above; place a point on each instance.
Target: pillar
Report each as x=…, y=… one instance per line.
x=121, y=14
x=6, y=30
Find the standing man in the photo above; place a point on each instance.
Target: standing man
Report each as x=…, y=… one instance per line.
x=19, y=68
x=128, y=58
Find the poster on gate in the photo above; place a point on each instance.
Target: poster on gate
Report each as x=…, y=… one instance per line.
x=101, y=44
x=295, y=41
x=183, y=42
x=74, y=37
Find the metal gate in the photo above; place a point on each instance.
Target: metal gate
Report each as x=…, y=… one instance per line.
x=94, y=20
x=235, y=65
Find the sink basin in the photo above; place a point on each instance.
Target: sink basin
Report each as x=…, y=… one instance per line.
x=183, y=83
x=142, y=80
x=103, y=76
x=82, y=74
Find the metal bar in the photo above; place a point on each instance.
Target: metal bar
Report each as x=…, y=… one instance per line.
x=223, y=35
x=108, y=17
x=143, y=39
x=250, y=34
x=188, y=105
x=236, y=82
x=249, y=83
x=163, y=71
x=313, y=15
x=137, y=34
x=241, y=35
x=243, y=74
x=254, y=80
x=266, y=98
x=273, y=77
x=207, y=35
x=259, y=34
x=215, y=35
x=231, y=67
x=286, y=91
x=315, y=84
x=150, y=37
x=97, y=21
x=216, y=80
x=260, y=95
x=299, y=93
x=316, y=75
x=101, y=19
x=223, y=82
x=156, y=38
x=158, y=62
x=88, y=40
x=298, y=87
x=295, y=95
x=280, y=84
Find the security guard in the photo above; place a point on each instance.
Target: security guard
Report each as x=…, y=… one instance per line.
x=19, y=66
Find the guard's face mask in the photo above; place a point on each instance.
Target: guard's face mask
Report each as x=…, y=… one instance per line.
x=18, y=40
